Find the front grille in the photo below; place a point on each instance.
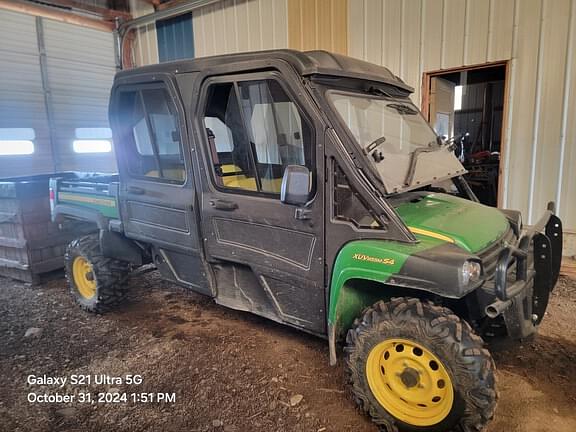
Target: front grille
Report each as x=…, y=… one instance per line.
x=489, y=256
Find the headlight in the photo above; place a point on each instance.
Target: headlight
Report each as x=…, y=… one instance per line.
x=471, y=272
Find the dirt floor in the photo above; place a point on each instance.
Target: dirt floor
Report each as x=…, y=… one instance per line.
x=229, y=371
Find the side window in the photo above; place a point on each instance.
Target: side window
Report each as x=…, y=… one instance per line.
x=255, y=130
x=150, y=135
x=348, y=207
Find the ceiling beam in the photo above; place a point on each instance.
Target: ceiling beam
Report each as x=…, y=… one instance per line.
x=109, y=14
x=55, y=14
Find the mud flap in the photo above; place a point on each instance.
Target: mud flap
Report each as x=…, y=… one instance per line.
x=543, y=280
x=554, y=233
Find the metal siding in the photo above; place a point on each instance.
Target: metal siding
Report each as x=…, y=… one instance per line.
x=540, y=144
x=80, y=72
x=547, y=151
x=318, y=24
x=145, y=48
x=376, y=38
x=410, y=50
x=240, y=25
x=391, y=44
x=475, y=37
x=454, y=19
x=433, y=30
x=356, y=28
x=567, y=177
x=523, y=106
x=21, y=93
x=500, y=30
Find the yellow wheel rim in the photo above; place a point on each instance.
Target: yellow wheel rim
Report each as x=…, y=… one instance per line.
x=84, y=277
x=410, y=382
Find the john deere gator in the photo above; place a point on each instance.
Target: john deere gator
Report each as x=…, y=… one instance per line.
x=307, y=188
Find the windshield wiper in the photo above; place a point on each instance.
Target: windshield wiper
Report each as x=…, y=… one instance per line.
x=414, y=159
x=403, y=109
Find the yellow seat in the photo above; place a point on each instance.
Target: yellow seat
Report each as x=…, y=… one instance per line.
x=172, y=174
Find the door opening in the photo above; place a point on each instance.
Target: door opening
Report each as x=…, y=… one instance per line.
x=467, y=107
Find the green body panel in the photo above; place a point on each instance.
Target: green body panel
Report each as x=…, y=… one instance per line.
x=103, y=204
x=372, y=260
x=471, y=226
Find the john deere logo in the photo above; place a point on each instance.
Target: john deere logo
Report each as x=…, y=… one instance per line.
x=362, y=257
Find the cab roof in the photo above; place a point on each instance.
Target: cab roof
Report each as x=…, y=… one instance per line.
x=306, y=63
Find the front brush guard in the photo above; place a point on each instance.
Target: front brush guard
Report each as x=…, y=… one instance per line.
x=524, y=301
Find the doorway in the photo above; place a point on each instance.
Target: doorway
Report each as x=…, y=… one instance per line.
x=467, y=107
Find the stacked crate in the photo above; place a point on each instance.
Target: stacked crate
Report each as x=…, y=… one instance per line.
x=30, y=243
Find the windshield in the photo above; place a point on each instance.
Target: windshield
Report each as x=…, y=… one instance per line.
x=397, y=140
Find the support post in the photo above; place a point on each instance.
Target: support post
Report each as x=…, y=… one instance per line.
x=48, y=105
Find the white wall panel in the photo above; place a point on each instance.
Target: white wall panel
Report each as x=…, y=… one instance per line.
x=567, y=176
x=145, y=43
x=500, y=30
x=547, y=144
x=522, y=110
x=536, y=36
x=475, y=37
x=378, y=27
x=411, y=40
x=145, y=46
x=454, y=19
x=433, y=12
x=392, y=33
x=240, y=25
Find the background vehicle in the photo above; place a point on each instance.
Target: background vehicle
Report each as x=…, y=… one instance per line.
x=307, y=188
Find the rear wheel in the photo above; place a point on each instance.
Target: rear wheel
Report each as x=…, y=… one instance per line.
x=95, y=281
x=417, y=367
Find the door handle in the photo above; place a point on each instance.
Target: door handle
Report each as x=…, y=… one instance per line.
x=223, y=204
x=303, y=214
x=136, y=190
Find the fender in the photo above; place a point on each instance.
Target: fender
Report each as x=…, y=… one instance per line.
x=117, y=246
x=61, y=211
x=430, y=266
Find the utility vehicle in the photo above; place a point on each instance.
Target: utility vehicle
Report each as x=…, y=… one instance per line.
x=307, y=188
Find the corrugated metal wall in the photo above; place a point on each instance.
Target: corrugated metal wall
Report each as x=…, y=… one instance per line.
x=21, y=93
x=416, y=36
x=240, y=25
x=145, y=48
x=318, y=24
x=145, y=44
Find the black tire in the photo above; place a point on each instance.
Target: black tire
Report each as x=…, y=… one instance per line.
x=107, y=273
x=469, y=366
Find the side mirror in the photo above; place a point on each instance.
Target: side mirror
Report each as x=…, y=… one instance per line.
x=296, y=184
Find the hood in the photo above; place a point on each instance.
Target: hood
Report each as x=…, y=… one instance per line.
x=470, y=225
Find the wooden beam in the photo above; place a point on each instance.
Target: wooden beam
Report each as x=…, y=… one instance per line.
x=47, y=12
x=169, y=4
x=108, y=14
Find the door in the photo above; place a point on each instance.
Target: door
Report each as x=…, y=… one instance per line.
x=156, y=189
x=442, y=106
x=268, y=255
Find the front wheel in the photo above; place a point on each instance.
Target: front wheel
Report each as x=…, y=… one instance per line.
x=416, y=367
